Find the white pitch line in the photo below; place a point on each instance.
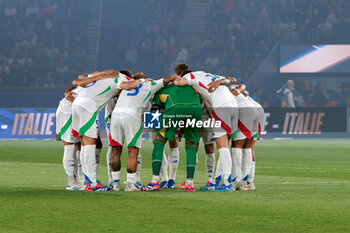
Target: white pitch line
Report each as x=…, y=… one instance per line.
x=305, y=168
x=24, y=172
x=317, y=182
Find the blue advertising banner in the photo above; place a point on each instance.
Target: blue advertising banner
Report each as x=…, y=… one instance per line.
x=39, y=123
x=29, y=123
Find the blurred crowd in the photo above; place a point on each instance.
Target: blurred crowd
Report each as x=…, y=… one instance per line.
x=40, y=43
x=45, y=44
x=240, y=34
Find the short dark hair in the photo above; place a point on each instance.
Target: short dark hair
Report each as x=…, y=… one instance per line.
x=127, y=73
x=181, y=68
x=139, y=76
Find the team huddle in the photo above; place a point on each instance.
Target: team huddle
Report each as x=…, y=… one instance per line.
x=191, y=99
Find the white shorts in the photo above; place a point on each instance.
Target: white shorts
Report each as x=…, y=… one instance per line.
x=261, y=119
x=84, y=122
x=228, y=116
x=64, y=127
x=125, y=129
x=247, y=123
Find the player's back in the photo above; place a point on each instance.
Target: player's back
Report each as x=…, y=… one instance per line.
x=200, y=81
x=94, y=96
x=65, y=106
x=172, y=96
x=133, y=101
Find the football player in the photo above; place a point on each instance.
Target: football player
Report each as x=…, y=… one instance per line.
x=96, y=92
x=223, y=108
x=126, y=126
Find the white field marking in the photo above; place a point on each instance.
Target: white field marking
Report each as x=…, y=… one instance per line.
x=305, y=168
x=23, y=163
x=310, y=182
x=280, y=139
x=24, y=172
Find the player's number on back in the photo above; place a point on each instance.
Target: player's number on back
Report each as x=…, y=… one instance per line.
x=137, y=90
x=90, y=85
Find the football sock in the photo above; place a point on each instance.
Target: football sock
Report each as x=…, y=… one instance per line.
x=173, y=162
x=138, y=169
x=83, y=163
x=164, y=168
x=109, y=168
x=189, y=181
x=236, y=164
x=116, y=176
x=155, y=178
x=130, y=178
x=98, y=153
x=252, y=173
x=246, y=163
x=80, y=174
x=209, y=166
x=75, y=162
x=190, y=160
x=157, y=157
x=68, y=163
x=218, y=172
x=226, y=164
x=90, y=161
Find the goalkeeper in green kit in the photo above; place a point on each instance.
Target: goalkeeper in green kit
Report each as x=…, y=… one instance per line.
x=182, y=110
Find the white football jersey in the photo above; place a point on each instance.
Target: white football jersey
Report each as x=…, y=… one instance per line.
x=110, y=106
x=94, y=96
x=200, y=80
x=65, y=106
x=244, y=102
x=132, y=102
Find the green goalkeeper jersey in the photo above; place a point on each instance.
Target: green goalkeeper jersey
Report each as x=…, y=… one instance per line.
x=172, y=96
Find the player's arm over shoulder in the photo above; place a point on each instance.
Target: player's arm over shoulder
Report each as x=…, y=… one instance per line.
x=181, y=82
x=69, y=94
x=87, y=81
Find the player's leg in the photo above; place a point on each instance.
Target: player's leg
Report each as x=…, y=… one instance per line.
x=89, y=147
x=69, y=164
x=79, y=171
x=87, y=128
x=173, y=160
x=224, y=164
x=191, y=161
x=157, y=157
x=109, y=169
x=164, y=171
x=191, y=134
x=131, y=169
x=116, y=140
x=246, y=159
x=115, y=166
x=132, y=128
x=138, y=183
x=237, y=146
x=209, y=161
x=251, y=185
x=98, y=153
x=207, y=138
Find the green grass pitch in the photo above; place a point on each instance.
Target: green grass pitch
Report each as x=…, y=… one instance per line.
x=302, y=186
